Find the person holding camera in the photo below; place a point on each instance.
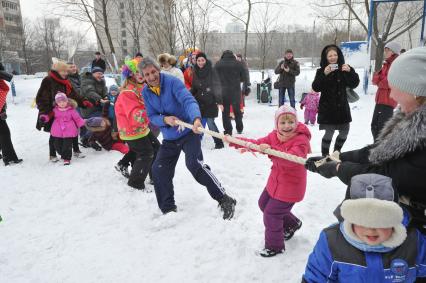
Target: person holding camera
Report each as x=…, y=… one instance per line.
x=9, y=155
x=332, y=79
x=288, y=69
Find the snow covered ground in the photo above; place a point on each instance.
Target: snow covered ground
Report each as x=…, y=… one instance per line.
x=82, y=223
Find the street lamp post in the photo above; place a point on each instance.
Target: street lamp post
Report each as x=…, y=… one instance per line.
x=314, y=39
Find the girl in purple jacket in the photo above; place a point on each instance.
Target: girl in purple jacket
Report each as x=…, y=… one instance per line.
x=65, y=126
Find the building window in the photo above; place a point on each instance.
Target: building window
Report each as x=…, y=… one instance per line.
x=121, y=5
x=123, y=24
x=9, y=5
x=123, y=33
x=124, y=51
x=122, y=15
x=124, y=42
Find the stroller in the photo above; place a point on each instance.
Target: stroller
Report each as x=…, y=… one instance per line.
x=264, y=90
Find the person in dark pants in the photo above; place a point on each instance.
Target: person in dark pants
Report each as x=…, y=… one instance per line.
x=206, y=90
x=75, y=79
x=133, y=126
x=334, y=112
x=167, y=100
x=385, y=105
x=231, y=73
x=288, y=69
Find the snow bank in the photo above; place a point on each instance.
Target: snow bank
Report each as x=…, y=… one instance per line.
x=82, y=223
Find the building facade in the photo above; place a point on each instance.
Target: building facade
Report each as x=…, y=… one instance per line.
x=135, y=26
x=11, y=34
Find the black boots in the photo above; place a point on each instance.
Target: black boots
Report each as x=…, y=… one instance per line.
x=227, y=205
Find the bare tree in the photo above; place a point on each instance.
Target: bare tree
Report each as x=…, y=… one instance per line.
x=265, y=23
x=27, y=41
x=233, y=8
x=387, y=26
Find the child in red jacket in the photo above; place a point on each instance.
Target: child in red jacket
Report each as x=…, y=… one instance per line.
x=287, y=180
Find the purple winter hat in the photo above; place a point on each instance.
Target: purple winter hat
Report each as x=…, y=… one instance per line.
x=60, y=96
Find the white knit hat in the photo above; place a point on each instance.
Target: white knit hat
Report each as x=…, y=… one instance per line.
x=408, y=72
x=373, y=203
x=394, y=46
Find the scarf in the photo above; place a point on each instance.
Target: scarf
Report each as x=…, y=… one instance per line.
x=363, y=246
x=64, y=82
x=202, y=73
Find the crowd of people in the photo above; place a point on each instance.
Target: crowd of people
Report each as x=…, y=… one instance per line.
x=382, y=216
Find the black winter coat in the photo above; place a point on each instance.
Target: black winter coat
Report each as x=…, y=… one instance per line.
x=399, y=153
x=94, y=91
x=45, y=99
x=75, y=81
x=287, y=79
x=206, y=90
x=231, y=74
x=333, y=106
x=99, y=63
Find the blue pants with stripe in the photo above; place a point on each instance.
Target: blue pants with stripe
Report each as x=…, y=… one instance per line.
x=163, y=170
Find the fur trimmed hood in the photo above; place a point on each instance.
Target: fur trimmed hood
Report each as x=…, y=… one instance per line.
x=402, y=134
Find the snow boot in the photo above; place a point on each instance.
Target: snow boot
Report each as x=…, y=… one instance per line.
x=11, y=162
x=227, y=205
x=122, y=169
x=79, y=154
x=95, y=146
x=67, y=162
x=288, y=234
x=269, y=253
x=53, y=159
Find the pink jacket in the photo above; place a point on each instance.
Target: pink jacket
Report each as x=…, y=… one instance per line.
x=66, y=123
x=287, y=180
x=311, y=101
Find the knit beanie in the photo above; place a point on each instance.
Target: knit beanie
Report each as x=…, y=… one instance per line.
x=201, y=54
x=94, y=122
x=372, y=202
x=97, y=70
x=113, y=88
x=394, y=46
x=60, y=96
x=285, y=109
x=408, y=72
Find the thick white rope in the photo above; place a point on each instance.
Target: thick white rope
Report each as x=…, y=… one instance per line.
x=249, y=145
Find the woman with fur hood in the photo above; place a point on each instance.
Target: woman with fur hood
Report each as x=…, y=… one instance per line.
x=334, y=113
x=400, y=151
x=168, y=66
x=56, y=81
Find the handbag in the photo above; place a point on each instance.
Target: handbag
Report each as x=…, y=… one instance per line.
x=277, y=83
x=351, y=95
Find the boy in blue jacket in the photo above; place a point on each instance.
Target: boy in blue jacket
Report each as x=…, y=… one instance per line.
x=373, y=243
x=167, y=100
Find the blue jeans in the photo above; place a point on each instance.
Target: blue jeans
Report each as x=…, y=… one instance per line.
x=212, y=127
x=281, y=94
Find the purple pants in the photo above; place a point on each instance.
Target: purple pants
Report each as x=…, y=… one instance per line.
x=277, y=217
x=310, y=116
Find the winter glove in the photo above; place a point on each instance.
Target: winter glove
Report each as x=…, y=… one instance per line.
x=328, y=169
x=3, y=116
x=310, y=163
x=44, y=118
x=301, y=106
x=87, y=104
x=247, y=91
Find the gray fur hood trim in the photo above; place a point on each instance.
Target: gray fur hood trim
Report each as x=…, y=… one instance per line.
x=402, y=134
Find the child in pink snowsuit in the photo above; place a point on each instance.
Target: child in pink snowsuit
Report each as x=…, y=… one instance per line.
x=287, y=180
x=65, y=126
x=310, y=102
